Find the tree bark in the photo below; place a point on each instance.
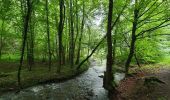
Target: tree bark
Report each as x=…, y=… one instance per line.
x=71, y=35
x=30, y=43
x=56, y=44
x=60, y=32
x=25, y=30
x=108, y=75
x=48, y=35
x=132, y=45
x=81, y=34
x=77, y=25
x=1, y=44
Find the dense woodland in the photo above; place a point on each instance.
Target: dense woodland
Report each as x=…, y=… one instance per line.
x=59, y=34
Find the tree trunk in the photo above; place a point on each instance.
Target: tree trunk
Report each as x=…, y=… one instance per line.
x=63, y=47
x=89, y=30
x=30, y=44
x=48, y=35
x=132, y=45
x=108, y=75
x=77, y=25
x=25, y=30
x=60, y=32
x=71, y=35
x=80, y=38
x=137, y=61
x=56, y=49
x=128, y=61
x=1, y=44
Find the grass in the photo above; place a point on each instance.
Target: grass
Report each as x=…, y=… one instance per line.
x=38, y=75
x=165, y=60
x=161, y=63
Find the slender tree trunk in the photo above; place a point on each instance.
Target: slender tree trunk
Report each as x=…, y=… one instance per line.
x=63, y=47
x=25, y=30
x=28, y=52
x=79, y=50
x=132, y=45
x=89, y=30
x=135, y=55
x=137, y=61
x=77, y=25
x=1, y=44
x=56, y=49
x=80, y=38
x=48, y=36
x=30, y=43
x=71, y=35
x=67, y=43
x=31, y=62
x=60, y=32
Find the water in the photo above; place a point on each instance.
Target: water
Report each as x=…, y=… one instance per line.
x=87, y=86
x=118, y=77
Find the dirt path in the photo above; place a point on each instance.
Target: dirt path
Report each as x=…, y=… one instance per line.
x=162, y=91
x=133, y=88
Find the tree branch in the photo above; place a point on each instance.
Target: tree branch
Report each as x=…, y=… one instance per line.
x=147, y=9
x=153, y=35
x=155, y=28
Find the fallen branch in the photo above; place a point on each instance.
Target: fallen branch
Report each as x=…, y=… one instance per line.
x=93, y=51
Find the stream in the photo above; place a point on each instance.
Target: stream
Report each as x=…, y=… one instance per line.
x=87, y=86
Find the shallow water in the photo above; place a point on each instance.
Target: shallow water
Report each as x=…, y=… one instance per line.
x=87, y=86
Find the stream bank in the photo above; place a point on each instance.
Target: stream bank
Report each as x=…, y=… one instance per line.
x=87, y=86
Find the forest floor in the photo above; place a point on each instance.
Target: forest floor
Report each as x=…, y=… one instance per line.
x=133, y=88
x=39, y=75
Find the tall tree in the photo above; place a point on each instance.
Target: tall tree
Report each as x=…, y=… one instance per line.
x=81, y=34
x=60, y=33
x=30, y=40
x=25, y=30
x=71, y=34
x=108, y=75
x=143, y=18
x=1, y=36
x=132, y=47
x=48, y=35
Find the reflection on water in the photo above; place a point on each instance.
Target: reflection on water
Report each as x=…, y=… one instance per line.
x=87, y=86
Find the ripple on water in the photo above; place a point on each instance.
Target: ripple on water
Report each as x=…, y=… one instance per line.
x=86, y=86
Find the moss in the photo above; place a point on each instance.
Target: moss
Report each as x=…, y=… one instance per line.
x=39, y=75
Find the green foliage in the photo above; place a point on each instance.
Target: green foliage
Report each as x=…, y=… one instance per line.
x=162, y=98
x=148, y=50
x=150, y=46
